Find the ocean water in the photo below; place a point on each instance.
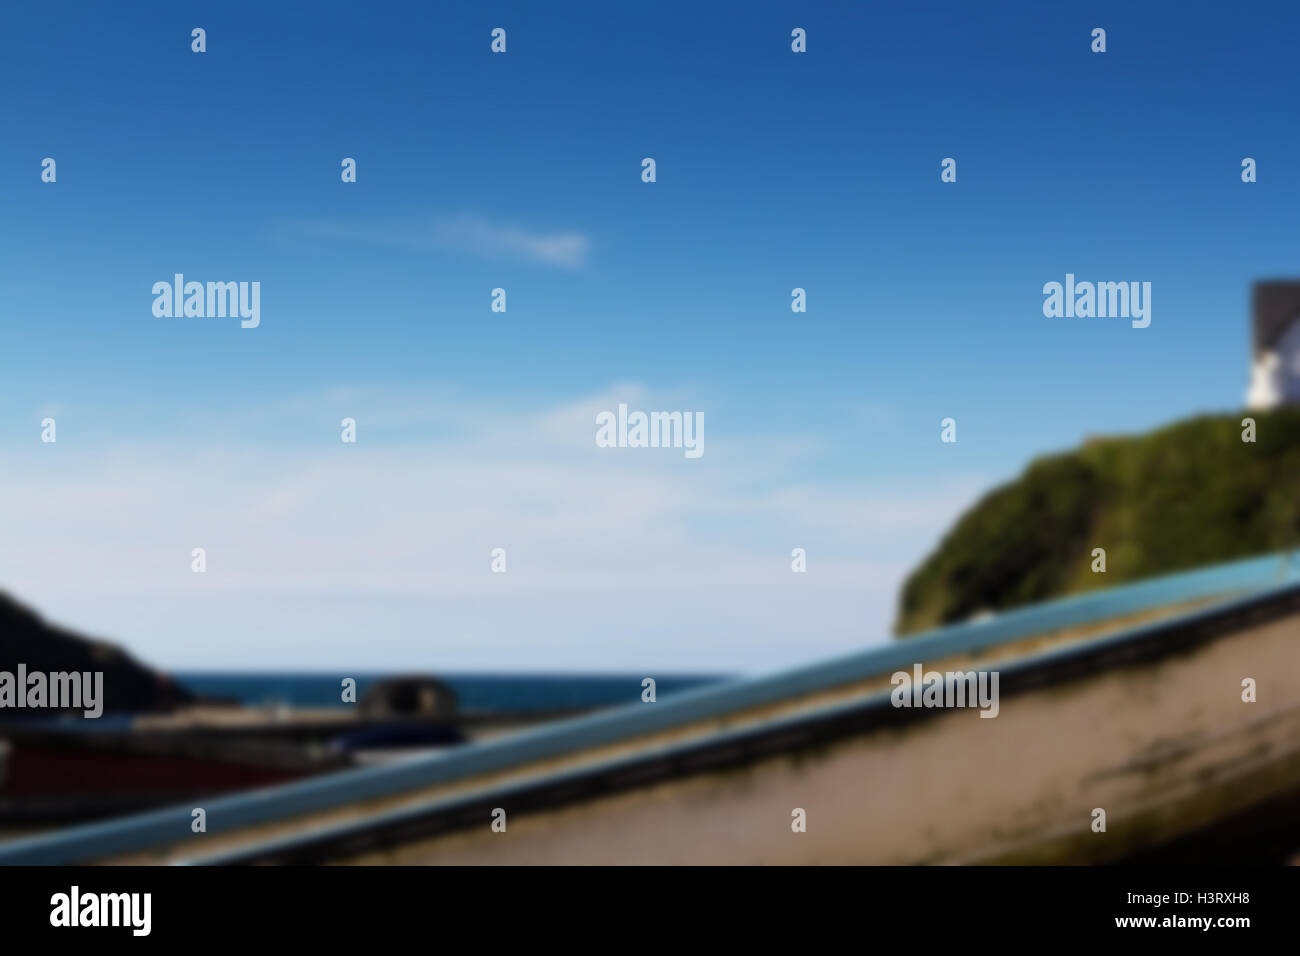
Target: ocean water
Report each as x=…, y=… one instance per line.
x=495, y=693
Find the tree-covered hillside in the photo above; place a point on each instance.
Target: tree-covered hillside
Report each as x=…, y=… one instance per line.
x=1189, y=494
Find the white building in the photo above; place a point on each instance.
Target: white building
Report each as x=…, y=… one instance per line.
x=1275, y=359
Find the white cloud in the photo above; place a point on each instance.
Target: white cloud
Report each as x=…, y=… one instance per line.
x=568, y=249
x=376, y=555
x=472, y=235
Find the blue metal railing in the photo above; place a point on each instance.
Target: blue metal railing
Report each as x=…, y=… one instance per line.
x=139, y=833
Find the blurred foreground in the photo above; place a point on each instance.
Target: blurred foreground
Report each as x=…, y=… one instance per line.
x=1128, y=701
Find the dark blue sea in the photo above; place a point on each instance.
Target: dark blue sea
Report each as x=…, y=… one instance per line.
x=496, y=693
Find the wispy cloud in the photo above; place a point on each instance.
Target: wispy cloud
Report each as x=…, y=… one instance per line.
x=472, y=235
x=327, y=555
x=568, y=249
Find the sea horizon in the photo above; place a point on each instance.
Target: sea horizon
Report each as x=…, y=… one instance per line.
x=479, y=691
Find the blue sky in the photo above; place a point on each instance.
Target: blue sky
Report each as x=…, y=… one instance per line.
x=775, y=170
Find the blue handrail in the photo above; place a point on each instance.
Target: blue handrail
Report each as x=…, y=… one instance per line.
x=139, y=833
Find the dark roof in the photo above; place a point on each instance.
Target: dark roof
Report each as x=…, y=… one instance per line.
x=1276, y=304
